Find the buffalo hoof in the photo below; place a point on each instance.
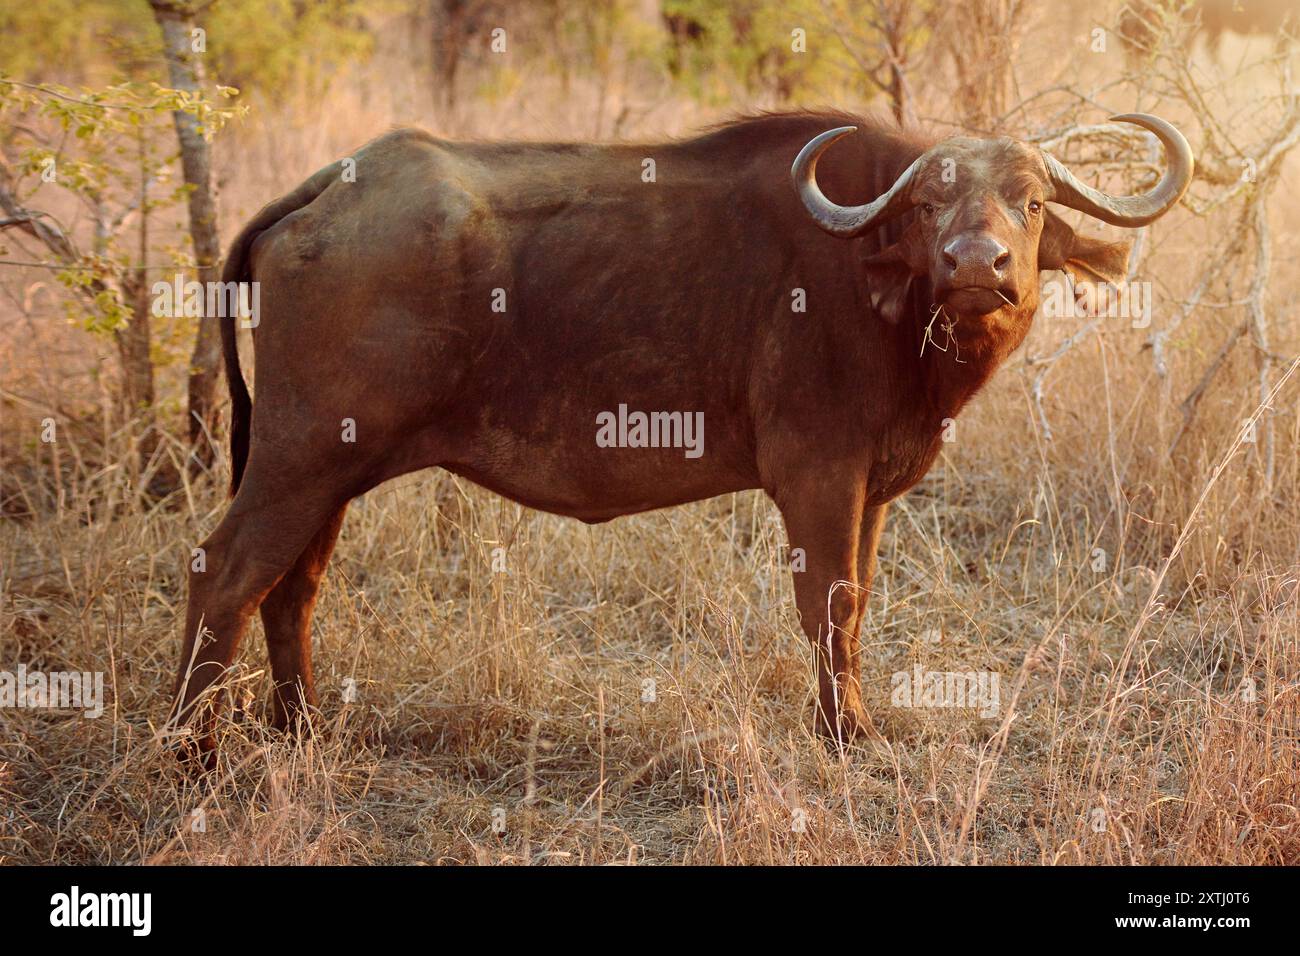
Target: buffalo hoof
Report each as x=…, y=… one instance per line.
x=192, y=740
x=292, y=714
x=853, y=725
x=195, y=756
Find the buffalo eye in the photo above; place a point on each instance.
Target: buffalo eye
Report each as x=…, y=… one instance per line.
x=927, y=208
x=1035, y=207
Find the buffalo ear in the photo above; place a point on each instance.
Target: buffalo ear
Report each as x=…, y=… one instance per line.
x=1097, y=260
x=890, y=273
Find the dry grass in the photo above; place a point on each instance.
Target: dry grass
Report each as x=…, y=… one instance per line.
x=513, y=701
x=522, y=692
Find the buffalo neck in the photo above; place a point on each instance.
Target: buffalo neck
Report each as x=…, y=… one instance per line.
x=933, y=374
x=955, y=357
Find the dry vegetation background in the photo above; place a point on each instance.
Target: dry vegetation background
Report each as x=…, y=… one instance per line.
x=1157, y=684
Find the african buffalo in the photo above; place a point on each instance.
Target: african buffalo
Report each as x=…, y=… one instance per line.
x=491, y=308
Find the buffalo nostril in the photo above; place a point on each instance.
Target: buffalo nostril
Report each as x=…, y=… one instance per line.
x=950, y=251
x=1001, y=262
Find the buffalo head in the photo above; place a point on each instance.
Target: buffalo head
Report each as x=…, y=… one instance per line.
x=983, y=232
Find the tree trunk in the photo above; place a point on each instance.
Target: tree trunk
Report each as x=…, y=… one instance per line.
x=982, y=36
x=450, y=24
x=185, y=68
x=134, y=344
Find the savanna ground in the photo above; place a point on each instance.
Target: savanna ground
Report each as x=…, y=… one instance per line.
x=641, y=691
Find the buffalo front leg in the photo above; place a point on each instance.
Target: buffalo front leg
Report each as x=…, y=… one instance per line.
x=873, y=523
x=286, y=617
x=824, y=524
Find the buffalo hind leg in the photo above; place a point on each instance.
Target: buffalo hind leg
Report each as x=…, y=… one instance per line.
x=260, y=539
x=824, y=517
x=286, y=617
